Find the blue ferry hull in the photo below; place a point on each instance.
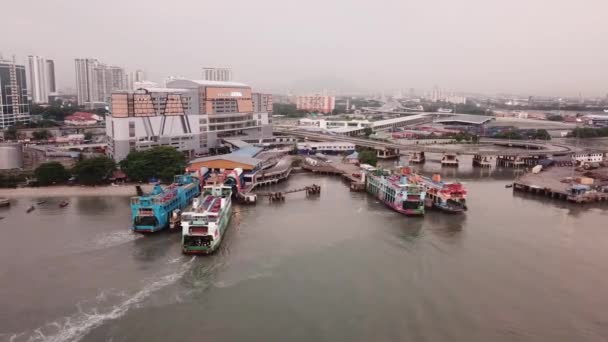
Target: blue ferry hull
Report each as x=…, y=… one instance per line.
x=151, y=213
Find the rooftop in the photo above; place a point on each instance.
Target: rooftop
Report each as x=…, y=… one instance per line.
x=247, y=151
x=186, y=82
x=230, y=157
x=468, y=119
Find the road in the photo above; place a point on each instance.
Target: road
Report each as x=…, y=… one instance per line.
x=532, y=148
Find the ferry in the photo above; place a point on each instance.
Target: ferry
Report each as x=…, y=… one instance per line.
x=396, y=192
x=151, y=212
x=447, y=197
x=204, y=225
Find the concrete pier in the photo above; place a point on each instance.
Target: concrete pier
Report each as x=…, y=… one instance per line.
x=549, y=183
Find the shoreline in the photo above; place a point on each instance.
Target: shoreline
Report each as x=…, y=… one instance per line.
x=77, y=190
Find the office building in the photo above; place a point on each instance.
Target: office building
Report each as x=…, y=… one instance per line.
x=217, y=74
x=96, y=81
x=190, y=115
x=14, y=107
x=316, y=103
x=38, y=83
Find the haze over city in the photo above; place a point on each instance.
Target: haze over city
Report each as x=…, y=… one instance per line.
x=538, y=47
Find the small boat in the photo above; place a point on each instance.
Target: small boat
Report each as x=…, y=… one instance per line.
x=63, y=204
x=30, y=209
x=508, y=185
x=41, y=202
x=4, y=202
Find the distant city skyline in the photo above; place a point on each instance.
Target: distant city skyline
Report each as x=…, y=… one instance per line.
x=534, y=47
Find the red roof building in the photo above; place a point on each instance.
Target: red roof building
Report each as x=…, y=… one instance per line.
x=82, y=119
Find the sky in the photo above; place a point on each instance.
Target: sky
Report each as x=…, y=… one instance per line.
x=531, y=47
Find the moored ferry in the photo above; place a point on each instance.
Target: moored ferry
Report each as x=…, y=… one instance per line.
x=204, y=225
x=151, y=212
x=396, y=192
x=446, y=196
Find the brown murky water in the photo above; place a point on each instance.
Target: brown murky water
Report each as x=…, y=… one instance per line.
x=340, y=267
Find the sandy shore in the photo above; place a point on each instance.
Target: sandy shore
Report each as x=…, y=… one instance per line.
x=59, y=191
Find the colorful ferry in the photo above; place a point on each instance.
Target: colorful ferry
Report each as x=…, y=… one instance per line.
x=151, y=212
x=204, y=225
x=448, y=197
x=396, y=192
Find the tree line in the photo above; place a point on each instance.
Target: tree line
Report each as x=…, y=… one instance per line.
x=588, y=132
x=160, y=162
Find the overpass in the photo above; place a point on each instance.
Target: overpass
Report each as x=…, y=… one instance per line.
x=515, y=148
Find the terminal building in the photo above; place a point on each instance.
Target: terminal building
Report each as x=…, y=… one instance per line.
x=190, y=115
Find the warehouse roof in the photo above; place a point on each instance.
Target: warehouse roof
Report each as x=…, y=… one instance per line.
x=466, y=119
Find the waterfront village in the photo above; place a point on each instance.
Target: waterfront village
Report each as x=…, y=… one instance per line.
x=189, y=150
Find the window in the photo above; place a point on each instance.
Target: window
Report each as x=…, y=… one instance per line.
x=131, y=129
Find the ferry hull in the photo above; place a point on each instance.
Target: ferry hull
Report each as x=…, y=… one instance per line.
x=215, y=243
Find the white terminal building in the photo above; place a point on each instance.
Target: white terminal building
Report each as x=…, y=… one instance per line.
x=190, y=115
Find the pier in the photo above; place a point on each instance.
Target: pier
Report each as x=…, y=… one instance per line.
x=279, y=196
x=555, y=183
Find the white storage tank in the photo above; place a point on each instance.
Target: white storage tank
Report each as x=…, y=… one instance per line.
x=11, y=156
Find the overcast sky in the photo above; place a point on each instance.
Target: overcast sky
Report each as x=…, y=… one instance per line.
x=518, y=46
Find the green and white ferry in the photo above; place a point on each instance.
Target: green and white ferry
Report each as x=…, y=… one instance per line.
x=204, y=225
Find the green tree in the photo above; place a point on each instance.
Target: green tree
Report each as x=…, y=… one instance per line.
x=51, y=173
x=11, y=133
x=542, y=134
x=368, y=131
x=163, y=162
x=555, y=118
x=94, y=170
x=41, y=135
x=475, y=139
x=368, y=157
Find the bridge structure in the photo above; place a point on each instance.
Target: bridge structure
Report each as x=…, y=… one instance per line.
x=519, y=148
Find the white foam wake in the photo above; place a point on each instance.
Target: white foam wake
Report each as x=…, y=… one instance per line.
x=75, y=327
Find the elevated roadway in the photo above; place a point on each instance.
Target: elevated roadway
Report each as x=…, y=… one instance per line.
x=501, y=147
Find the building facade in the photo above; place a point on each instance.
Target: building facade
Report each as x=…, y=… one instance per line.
x=316, y=103
x=14, y=107
x=217, y=74
x=192, y=116
x=50, y=76
x=96, y=81
x=38, y=82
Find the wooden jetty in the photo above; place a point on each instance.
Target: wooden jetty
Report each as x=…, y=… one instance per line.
x=279, y=196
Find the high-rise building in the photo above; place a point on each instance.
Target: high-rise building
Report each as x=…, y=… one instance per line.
x=139, y=76
x=50, y=76
x=316, y=103
x=190, y=115
x=96, y=81
x=38, y=83
x=132, y=78
x=217, y=74
x=14, y=107
x=86, y=80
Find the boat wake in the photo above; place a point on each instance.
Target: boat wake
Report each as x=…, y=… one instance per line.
x=115, y=238
x=78, y=325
